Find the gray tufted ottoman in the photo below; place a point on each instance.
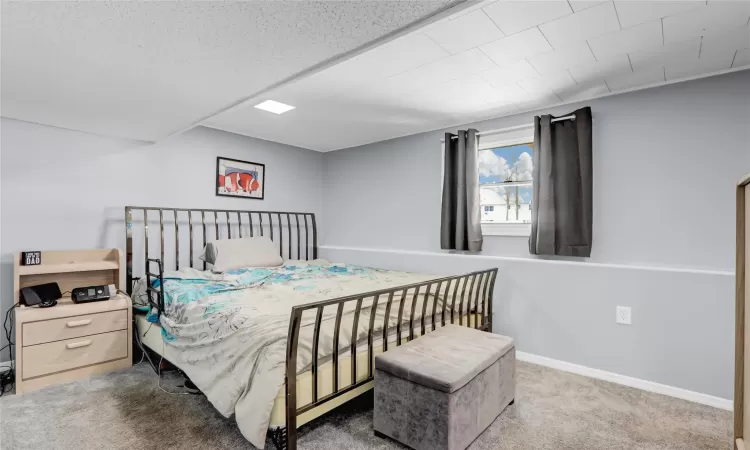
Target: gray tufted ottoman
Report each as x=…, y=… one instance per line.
x=441, y=390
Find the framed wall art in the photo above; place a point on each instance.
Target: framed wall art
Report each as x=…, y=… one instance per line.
x=242, y=179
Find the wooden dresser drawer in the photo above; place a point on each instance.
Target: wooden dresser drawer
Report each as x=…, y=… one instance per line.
x=71, y=327
x=69, y=354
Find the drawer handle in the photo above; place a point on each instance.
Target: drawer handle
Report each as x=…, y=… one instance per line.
x=79, y=344
x=78, y=323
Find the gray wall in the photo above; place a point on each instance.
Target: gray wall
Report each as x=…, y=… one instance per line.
x=666, y=163
x=63, y=189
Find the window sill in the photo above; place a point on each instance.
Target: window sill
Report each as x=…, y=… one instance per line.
x=506, y=229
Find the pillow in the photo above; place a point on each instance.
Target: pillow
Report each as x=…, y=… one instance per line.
x=245, y=252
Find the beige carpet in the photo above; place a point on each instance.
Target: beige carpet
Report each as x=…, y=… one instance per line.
x=553, y=410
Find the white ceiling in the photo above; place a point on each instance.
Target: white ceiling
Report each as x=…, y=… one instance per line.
x=500, y=57
x=145, y=70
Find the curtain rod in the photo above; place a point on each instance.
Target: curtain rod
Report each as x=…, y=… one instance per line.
x=517, y=127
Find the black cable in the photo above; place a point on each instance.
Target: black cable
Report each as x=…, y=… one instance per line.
x=7, y=378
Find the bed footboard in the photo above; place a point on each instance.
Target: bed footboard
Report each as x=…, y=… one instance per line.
x=410, y=311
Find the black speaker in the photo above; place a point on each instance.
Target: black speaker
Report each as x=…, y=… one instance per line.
x=44, y=295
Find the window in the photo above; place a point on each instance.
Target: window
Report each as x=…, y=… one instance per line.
x=505, y=187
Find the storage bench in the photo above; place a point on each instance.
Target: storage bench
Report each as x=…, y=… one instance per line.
x=441, y=390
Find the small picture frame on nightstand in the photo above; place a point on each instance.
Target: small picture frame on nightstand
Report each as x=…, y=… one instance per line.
x=31, y=258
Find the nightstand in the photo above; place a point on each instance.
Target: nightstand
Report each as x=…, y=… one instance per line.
x=71, y=341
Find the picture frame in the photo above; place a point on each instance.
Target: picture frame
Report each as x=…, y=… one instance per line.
x=240, y=179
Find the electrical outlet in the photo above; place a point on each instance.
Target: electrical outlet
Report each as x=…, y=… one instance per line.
x=623, y=315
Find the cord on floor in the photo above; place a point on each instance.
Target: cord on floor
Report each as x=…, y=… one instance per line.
x=164, y=390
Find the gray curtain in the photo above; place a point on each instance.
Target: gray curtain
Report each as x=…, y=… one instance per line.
x=561, y=210
x=460, y=225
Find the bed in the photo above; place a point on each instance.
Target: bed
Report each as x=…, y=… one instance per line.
x=278, y=347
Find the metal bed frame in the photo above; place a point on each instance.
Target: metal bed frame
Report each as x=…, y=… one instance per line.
x=286, y=437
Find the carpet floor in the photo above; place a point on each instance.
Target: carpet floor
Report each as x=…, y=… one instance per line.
x=553, y=410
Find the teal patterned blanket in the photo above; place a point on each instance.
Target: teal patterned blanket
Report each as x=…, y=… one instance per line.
x=229, y=330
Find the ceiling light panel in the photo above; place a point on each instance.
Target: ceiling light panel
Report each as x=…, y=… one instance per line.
x=468, y=31
x=578, y=27
x=274, y=107
x=632, y=12
x=638, y=38
x=516, y=47
x=516, y=16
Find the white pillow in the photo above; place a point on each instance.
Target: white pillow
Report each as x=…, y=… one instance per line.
x=246, y=252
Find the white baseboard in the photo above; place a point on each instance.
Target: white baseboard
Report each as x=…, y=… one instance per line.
x=649, y=386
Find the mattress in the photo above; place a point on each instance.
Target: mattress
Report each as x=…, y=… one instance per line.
x=151, y=337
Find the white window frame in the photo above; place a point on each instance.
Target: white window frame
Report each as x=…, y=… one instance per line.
x=506, y=229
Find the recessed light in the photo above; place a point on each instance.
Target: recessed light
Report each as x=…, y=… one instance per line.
x=274, y=107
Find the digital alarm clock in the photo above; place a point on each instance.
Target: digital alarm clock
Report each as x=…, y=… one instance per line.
x=92, y=293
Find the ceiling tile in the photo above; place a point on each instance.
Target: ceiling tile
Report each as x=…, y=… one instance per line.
x=511, y=93
x=580, y=5
x=679, y=51
x=395, y=57
x=563, y=58
x=646, y=36
x=712, y=17
x=603, y=68
x=462, y=94
x=446, y=69
x=643, y=77
x=556, y=82
x=734, y=39
x=741, y=59
x=398, y=56
x=515, y=16
x=468, y=31
x=635, y=12
x=505, y=75
x=584, y=91
x=690, y=66
x=578, y=27
x=543, y=100
x=516, y=47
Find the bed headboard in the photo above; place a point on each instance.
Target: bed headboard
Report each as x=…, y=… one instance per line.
x=184, y=232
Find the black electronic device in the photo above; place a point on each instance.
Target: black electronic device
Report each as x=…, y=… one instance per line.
x=92, y=293
x=44, y=295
